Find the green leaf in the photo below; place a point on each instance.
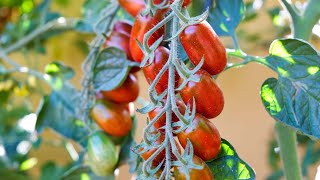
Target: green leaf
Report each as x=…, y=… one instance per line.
x=28, y=164
x=58, y=112
x=91, y=11
x=229, y=166
x=58, y=69
x=51, y=171
x=199, y=6
x=293, y=98
x=226, y=16
x=111, y=69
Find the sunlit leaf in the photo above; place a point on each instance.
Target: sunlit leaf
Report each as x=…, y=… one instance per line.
x=226, y=16
x=60, y=70
x=228, y=165
x=28, y=164
x=293, y=98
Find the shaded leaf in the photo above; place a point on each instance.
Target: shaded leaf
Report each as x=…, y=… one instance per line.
x=294, y=98
x=58, y=112
x=226, y=16
x=229, y=166
x=110, y=69
x=91, y=11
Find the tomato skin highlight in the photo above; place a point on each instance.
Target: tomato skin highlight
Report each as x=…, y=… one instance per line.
x=208, y=96
x=123, y=27
x=140, y=27
x=200, y=40
x=204, y=137
x=162, y=120
x=151, y=71
x=102, y=155
x=114, y=119
x=126, y=93
x=204, y=173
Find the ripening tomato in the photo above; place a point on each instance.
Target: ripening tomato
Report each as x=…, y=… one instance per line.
x=127, y=92
x=102, y=155
x=114, y=119
x=151, y=71
x=162, y=120
x=185, y=2
x=207, y=94
x=204, y=137
x=140, y=27
x=123, y=27
x=203, y=174
x=162, y=155
x=199, y=41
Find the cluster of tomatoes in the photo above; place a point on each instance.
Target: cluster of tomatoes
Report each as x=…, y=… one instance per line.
x=199, y=41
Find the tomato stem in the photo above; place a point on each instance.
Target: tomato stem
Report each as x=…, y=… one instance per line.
x=287, y=140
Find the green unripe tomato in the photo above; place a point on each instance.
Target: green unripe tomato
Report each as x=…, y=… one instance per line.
x=102, y=154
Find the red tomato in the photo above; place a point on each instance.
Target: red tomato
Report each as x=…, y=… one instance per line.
x=199, y=41
x=162, y=120
x=133, y=7
x=140, y=27
x=203, y=174
x=120, y=41
x=151, y=71
x=114, y=119
x=127, y=92
x=123, y=27
x=204, y=137
x=162, y=155
x=207, y=94
x=185, y=2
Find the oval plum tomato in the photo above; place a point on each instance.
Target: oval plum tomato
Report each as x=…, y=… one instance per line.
x=123, y=27
x=141, y=26
x=207, y=94
x=159, y=158
x=114, y=119
x=185, y=2
x=102, y=156
x=133, y=7
x=151, y=71
x=199, y=41
x=120, y=41
x=162, y=120
x=203, y=174
x=127, y=92
x=204, y=137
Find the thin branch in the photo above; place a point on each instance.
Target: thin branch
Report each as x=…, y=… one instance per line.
x=60, y=23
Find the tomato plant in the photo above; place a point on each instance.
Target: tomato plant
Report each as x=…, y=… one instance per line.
x=204, y=173
x=112, y=118
x=210, y=105
x=186, y=50
x=200, y=41
x=126, y=93
x=141, y=25
x=201, y=128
